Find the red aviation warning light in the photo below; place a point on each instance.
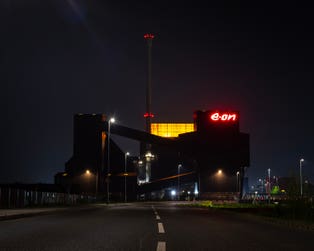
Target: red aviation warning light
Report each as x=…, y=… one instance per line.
x=148, y=115
x=149, y=36
x=216, y=116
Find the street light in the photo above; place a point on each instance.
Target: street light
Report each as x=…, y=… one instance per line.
x=111, y=120
x=238, y=173
x=125, y=174
x=301, y=185
x=87, y=174
x=179, y=166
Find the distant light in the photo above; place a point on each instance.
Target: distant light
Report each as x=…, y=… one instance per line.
x=189, y=192
x=255, y=192
x=127, y=153
x=87, y=171
x=112, y=120
x=149, y=155
x=140, y=162
x=64, y=174
x=219, y=171
x=151, y=115
x=195, y=189
x=301, y=160
x=149, y=36
x=173, y=192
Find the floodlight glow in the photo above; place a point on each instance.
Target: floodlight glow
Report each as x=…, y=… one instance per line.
x=173, y=192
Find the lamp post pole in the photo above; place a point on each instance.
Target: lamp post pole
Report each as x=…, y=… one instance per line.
x=112, y=120
x=96, y=184
x=268, y=185
x=238, y=173
x=125, y=174
x=301, y=185
x=179, y=166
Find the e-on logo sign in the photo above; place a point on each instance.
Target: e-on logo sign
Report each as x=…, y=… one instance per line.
x=223, y=117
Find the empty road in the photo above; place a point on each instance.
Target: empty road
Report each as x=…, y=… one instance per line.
x=148, y=226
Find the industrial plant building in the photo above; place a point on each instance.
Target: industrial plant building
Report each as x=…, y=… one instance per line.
x=206, y=158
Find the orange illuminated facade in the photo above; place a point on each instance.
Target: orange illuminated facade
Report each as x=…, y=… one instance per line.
x=171, y=130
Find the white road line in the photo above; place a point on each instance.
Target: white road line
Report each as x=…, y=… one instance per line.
x=161, y=246
x=157, y=217
x=161, y=229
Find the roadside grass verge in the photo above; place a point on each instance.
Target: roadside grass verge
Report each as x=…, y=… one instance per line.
x=298, y=213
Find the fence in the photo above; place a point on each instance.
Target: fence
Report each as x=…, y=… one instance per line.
x=11, y=197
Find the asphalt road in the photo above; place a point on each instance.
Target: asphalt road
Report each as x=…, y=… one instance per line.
x=148, y=226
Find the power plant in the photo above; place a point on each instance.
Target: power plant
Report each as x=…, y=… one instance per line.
x=206, y=157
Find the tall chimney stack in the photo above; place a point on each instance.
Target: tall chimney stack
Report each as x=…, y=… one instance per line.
x=148, y=114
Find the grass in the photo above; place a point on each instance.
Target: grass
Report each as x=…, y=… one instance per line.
x=294, y=210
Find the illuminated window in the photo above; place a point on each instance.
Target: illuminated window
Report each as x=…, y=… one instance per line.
x=171, y=130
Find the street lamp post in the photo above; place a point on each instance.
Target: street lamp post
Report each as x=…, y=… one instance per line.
x=111, y=120
x=301, y=185
x=238, y=173
x=125, y=174
x=179, y=166
x=268, y=185
x=96, y=185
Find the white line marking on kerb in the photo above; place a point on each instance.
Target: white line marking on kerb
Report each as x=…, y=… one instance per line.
x=157, y=217
x=161, y=229
x=161, y=246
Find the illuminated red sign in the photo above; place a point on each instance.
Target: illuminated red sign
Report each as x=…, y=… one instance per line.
x=223, y=116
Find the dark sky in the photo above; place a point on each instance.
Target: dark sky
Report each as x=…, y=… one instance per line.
x=60, y=57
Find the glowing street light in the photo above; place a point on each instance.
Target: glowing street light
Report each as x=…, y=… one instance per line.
x=219, y=172
x=125, y=174
x=111, y=120
x=87, y=172
x=301, y=185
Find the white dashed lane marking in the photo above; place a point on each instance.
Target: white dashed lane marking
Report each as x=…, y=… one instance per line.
x=161, y=246
x=161, y=229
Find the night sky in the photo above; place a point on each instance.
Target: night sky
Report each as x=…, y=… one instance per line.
x=62, y=57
